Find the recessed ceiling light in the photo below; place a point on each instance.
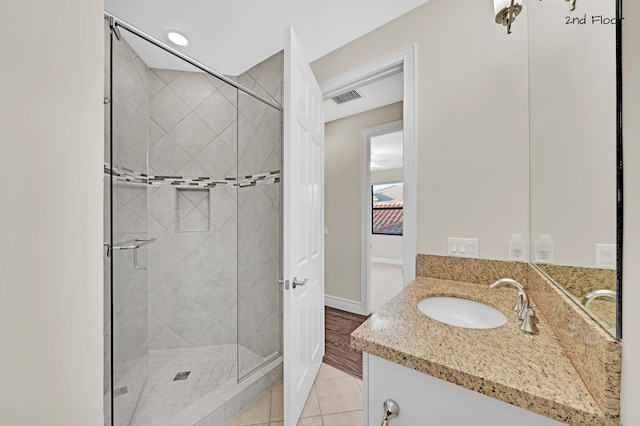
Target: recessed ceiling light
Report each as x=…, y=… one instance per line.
x=177, y=37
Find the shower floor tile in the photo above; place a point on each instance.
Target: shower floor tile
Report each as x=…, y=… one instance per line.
x=209, y=368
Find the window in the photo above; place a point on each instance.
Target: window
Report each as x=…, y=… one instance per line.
x=386, y=213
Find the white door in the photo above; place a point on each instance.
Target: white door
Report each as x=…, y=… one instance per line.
x=303, y=180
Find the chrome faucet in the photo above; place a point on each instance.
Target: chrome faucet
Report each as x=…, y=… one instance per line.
x=595, y=294
x=522, y=307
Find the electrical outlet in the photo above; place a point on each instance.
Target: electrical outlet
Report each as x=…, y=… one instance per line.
x=517, y=249
x=516, y=253
x=544, y=249
x=605, y=256
x=462, y=247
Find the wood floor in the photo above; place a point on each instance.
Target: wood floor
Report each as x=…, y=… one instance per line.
x=338, y=351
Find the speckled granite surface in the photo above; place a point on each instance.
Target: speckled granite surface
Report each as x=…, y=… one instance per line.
x=479, y=271
x=503, y=363
x=580, y=281
x=595, y=354
x=569, y=372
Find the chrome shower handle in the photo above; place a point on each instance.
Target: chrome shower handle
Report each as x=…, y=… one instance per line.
x=391, y=411
x=134, y=245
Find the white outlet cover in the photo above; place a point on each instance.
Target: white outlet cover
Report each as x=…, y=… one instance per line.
x=605, y=256
x=544, y=254
x=519, y=253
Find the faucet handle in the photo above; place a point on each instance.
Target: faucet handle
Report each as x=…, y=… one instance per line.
x=529, y=322
x=524, y=311
x=519, y=303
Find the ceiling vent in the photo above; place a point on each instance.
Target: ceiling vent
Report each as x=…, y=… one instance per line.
x=346, y=97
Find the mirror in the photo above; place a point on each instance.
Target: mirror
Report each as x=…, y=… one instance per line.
x=573, y=149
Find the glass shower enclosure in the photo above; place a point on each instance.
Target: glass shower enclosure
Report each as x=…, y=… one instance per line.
x=192, y=233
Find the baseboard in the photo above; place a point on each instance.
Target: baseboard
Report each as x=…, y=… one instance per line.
x=344, y=304
x=387, y=260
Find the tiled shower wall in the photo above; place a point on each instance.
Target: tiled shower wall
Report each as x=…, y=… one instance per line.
x=194, y=266
x=130, y=111
x=192, y=274
x=259, y=215
x=259, y=229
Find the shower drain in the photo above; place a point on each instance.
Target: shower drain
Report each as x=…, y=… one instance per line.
x=182, y=375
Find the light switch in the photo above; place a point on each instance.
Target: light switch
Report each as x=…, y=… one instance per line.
x=462, y=247
x=471, y=248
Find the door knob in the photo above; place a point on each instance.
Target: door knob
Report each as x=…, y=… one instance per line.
x=297, y=282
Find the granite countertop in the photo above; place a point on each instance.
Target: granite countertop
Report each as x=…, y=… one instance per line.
x=531, y=372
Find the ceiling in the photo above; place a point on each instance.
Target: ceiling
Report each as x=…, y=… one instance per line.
x=377, y=94
x=232, y=36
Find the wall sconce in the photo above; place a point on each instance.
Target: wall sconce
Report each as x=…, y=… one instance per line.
x=506, y=12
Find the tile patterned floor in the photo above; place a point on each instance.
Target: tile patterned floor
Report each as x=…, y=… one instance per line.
x=335, y=400
x=210, y=367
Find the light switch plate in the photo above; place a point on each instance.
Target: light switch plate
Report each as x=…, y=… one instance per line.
x=462, y=247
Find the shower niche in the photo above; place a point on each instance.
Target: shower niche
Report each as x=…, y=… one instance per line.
x=192, y=234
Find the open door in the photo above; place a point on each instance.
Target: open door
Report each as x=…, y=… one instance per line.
x=303, y=180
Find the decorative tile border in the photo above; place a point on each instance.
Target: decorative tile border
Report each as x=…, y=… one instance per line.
x=260, y=179
x=123, y=174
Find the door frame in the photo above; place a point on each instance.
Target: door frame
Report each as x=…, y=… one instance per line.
x=369, y=72
x=366, y=206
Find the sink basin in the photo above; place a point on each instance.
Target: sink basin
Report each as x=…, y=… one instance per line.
x=461, y=312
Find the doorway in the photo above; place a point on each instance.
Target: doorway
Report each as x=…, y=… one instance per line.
x=348, y=271
x=382, y=210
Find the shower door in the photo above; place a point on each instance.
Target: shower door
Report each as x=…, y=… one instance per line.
x=126, y=231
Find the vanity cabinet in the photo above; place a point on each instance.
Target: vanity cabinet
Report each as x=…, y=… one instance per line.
x=424, y=400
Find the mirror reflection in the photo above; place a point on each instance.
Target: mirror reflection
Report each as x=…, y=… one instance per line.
x=572, y=67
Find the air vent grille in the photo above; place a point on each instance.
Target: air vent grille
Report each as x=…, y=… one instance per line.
x=346, y=97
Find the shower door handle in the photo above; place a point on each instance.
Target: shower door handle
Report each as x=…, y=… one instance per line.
x=297, y=283
x=134, y=245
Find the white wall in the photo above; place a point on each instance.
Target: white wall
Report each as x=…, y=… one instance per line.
x=631, y=251
x=51, y=154
x=572, y=78
x=342, y=198
x=387, y=175
x=386, y=249
x=472, y=130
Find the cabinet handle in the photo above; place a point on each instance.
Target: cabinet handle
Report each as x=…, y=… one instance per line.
x=391, y=410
